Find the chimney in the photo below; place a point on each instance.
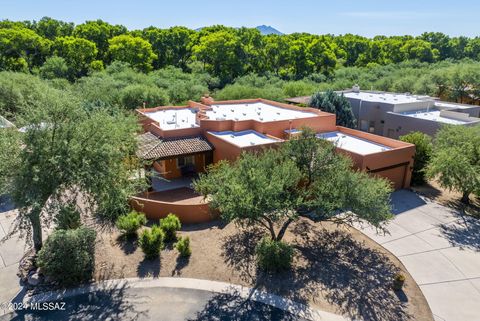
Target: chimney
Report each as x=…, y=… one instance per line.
x=207, y=100
x=356, y=88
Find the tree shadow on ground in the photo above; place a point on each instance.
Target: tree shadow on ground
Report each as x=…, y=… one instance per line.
x=108, y=303
x=238, y=251
x=149, y=268
x=355, y=279
x=464, y=234
x=232, y=306
x=181, y=262
x=128, y=244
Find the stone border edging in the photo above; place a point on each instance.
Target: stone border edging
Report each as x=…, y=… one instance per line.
x=292, y=307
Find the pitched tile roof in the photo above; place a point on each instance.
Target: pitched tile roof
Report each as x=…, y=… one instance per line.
x=152, y=147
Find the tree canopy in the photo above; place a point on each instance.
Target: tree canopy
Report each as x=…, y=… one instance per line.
x=332, y=102
x=66, y=152
x=270, y=188
x=455, y=161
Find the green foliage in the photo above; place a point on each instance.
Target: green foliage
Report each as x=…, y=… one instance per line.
x=68, y=151
x=130, y=223
x=332, y=102
x=133, y=96
x=423, y=151
x=68, y=256
x=151, y=242
x=133, y=50
x=54, y=67
x=68, y=218
x=269, y=189
x=273, y=256
x=78, y=53
x=183, y=246
x=455, y=161
x=170, y=225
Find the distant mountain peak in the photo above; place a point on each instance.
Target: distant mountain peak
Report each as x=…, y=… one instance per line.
x=268, y=30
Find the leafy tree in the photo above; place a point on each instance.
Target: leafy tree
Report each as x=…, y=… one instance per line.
x=172, y=46
x=331, y=102
x=54, y=67
x=78, y=53
x=423, y=151
x=455, y=161
x=269, y=189
x=21, y=49
x=133, y=50
x=99, y=32
x=51, y=28
x=67, y=152
x=134, y=96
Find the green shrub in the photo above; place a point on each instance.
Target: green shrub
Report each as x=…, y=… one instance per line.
x=423, y=151
x=68, y=256
x=68, y=218
x=170, y=225
x=130, y=223
x=273, y=256
x=183, y=246
x=151, y=242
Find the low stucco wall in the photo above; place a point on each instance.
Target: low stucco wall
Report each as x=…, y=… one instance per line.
x=199, y=212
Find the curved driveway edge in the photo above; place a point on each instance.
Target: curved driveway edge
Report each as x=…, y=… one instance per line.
x=440, y=248
x=246, y=293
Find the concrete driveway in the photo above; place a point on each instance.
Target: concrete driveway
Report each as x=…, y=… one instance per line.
x=11, y=251
x=441, y=250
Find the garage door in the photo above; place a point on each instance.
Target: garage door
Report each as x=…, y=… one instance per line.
x=396, y=174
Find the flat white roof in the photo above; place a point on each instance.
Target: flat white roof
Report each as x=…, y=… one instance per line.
x=353, y=144
x=434, y=115
x=257, y=111
x=245, y=138
x=174, y=118
x=453, y=105
x=390, y=98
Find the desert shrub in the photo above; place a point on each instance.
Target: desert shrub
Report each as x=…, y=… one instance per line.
x=151, y=242
x=423, y=151
x=273, y=256
x=170, y=225
x=131, y=222
x=133, y=96
x=183, y=246
x=68, y=218
x=68, y=256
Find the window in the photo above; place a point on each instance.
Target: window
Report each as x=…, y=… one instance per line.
x=371, y=127
x=363, y=125
x=390, y=133
x=185, y=160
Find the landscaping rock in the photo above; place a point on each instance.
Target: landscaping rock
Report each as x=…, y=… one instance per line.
x=34, y=279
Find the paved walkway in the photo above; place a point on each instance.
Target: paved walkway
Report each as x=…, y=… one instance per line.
x=441, y=250
x=11, y=251
x=170, y=299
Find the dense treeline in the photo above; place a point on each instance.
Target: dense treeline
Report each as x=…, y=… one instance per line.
x=120, y=86
x=60, y=49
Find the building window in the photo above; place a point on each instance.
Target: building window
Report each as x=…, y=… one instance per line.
x=371, y=127
x=363, y=125
x=185, y=160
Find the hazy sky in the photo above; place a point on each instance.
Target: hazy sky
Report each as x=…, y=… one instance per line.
x=364, y=17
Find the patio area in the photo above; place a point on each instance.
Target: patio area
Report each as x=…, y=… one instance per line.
x=161, y=184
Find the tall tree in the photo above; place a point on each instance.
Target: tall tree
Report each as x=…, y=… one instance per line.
x=51, y=28
x=332, y=102
x=268, y=189
x=99, y=32
x=66, y=152
x=77, y=52
x=133, y=50
x=455, y=160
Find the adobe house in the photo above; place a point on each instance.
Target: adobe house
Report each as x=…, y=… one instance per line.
x=181, y=141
